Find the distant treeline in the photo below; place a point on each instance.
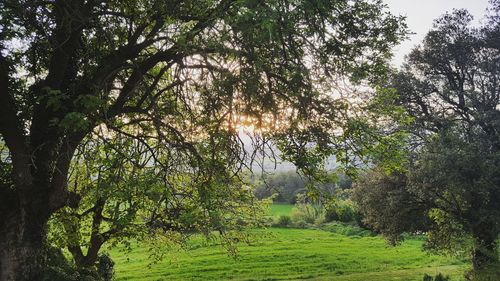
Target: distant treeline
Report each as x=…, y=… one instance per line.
x=285, y=186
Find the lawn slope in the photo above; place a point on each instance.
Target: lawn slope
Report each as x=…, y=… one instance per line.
x=276, y=210
x=291, y=254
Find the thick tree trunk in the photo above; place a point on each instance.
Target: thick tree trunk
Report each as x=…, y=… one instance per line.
x=36, y=192
x=485, y=252
x=96, y=238
x=484, y=255
x=22, y=251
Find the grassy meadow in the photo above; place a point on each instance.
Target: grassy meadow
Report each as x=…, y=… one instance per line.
x=291, y=254
x=276, y=210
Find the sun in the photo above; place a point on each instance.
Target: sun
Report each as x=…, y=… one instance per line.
x=245, y=125
x=246, y=129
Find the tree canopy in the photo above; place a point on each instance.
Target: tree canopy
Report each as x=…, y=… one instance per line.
x=449, y=92
x=176, y=76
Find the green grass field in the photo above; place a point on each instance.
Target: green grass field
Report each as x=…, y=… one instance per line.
x=291, y=254
x=276, y=210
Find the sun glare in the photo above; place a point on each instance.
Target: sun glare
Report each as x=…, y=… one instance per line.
x=246, y=129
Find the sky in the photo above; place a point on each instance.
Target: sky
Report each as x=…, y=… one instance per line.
x=421, y=14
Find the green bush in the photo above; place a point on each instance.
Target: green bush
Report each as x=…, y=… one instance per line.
x=427, y=277
x=105, y=267
x=343, y=211
x=347, y=229
x=300, y=224
x=59, y=269
x=308, y=214
x=284, y=220
x=331, y=214
x=439, y=277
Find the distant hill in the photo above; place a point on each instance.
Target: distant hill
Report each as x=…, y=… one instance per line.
x=270, y=165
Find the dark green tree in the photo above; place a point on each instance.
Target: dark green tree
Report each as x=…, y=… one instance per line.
x=458, y=180
x=388, y=207
x=450, y=90
x=180, y=72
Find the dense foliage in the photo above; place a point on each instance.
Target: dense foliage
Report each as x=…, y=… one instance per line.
x=387, y=205
x=449, y=92
x=123, y=197
x=178, y=76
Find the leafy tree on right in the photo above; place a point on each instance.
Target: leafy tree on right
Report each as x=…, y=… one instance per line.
x=450, y=89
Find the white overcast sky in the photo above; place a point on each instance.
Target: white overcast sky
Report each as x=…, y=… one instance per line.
x=420, y=15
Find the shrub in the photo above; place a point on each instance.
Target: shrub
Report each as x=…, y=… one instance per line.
x=439, y=277
x=427, y=277
x=284, y=220
x=59, y=269
x=308, y=213
x=105, y=267
x=300, y=224
x=343, y=211
x=347, y=229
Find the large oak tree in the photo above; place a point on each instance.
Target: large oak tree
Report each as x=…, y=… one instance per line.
x=180, y=72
